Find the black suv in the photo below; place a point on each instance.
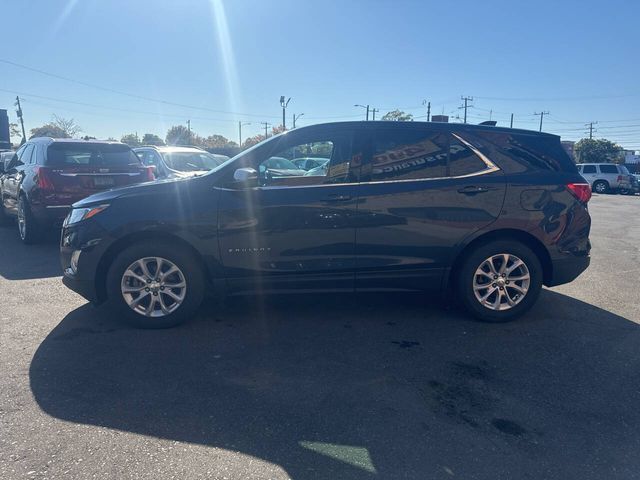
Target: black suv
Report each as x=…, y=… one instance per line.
x=493, y=213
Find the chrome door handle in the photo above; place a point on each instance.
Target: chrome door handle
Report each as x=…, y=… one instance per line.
x=472, y=190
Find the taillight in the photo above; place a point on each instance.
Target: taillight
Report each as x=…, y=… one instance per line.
x=150, y=173
x=582, y=191
x=621, y=178
x=43, y=178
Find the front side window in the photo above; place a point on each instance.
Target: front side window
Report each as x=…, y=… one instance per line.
x=589, y=169
x=608, y=168
x=331, y=164
x=409, y=154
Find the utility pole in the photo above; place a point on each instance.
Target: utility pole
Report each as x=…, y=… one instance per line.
x=511, y=125
x=295, y=117
x=542, y=114
x=590, y=125
x=374, y=113
x=466, y=99
x=240, y=124
x=19, y=113
x=266, y=126
x=284, y=104
x=428, y=104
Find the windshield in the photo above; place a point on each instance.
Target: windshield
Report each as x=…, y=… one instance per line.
x=192, y=161
x=96, y=154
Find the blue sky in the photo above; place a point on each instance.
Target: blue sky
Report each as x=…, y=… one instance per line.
x=233, y=60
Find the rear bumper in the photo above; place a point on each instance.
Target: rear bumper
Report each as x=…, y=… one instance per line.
x=567, y=269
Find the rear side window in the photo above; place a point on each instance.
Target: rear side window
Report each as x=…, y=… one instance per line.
x=462, y=160
x=95, y=155
x=608, y=169
x=589, y=169
x=409, y=154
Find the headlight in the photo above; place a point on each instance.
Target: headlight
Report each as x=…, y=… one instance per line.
x=79, y=214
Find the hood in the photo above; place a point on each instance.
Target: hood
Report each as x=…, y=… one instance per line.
x=158, y=187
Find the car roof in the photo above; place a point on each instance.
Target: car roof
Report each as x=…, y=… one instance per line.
x=451, y=127
x=49, y=140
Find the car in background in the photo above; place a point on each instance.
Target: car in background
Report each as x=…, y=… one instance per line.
x=635, y=184
x=606, y=177
x=47, y=175
x=490, y=213
x=177, y=161
x=309, y=163
x=5, y=158
x=276, y=167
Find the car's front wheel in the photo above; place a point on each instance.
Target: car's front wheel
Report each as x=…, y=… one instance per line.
x=500, y=280
x=155, y=285
x=601, y=186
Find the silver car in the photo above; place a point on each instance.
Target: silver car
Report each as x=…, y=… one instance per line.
x=177, y=161
x=606, y=177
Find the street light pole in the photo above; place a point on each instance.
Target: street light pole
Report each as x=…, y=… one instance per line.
x=240, y=124
x=284, y=104
x=19, y=113
x=295, y=117
x=364, y=106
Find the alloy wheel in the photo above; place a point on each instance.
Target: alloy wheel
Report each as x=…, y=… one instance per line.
x=22, y=219
x=501, y=282
x=153, y=287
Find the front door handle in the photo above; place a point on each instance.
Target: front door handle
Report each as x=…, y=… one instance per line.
x=338, y=198
x=472, y=190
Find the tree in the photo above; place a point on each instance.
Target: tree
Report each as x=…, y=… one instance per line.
x=151, y=139
x=49, y=130
x=398, y=116
x=596, y=151
x=251, y=141
x=215, y=141
x=131, y=139
x=179, y=135
x=67, y=125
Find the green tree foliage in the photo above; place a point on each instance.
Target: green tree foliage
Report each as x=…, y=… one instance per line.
x=49, y=130
x=397, y=116
x=179, y=135
x=151, y=139
x=131, y=139
x=597, y=151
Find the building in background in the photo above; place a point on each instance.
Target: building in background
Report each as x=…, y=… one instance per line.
x=568, y=146
x=631, y=156
x=5, y=139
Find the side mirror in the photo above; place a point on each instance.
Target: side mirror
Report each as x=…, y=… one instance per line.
x=245, y=175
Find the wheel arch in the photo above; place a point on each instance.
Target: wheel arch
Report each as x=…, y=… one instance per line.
x=137, y=237
x=521, y=236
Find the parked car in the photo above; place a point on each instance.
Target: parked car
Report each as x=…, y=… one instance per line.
x=491, y=213
x=309, y=163
x=5, y=158
x=606, y=177
x=46, y=175
x=176, y=161
x=276, y=167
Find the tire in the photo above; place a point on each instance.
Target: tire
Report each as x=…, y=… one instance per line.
x=167, y=311
x=4, y=218
x=28, y=228
x=601, y=186
x=470, y=281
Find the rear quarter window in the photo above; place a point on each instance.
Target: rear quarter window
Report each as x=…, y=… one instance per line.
x=609, y=169
x=95, y=155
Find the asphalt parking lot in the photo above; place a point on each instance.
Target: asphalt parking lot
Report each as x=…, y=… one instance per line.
x=326, y=387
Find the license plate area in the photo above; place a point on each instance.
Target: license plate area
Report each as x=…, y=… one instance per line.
x=103, y=181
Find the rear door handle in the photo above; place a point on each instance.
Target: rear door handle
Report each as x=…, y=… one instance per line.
x=472, y=190
x=338, y=198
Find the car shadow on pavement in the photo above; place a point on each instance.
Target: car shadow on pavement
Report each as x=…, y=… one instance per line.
x=338, y=387
x=24, y=262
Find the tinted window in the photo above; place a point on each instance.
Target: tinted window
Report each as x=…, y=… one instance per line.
x=589, y=169
x=408, y=154
x=99, y=155
x=608, y=169
x=462, y=160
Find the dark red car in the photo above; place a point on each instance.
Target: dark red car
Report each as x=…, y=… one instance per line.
x=46, y=176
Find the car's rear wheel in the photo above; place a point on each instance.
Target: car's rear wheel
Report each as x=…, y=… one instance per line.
x=601, y=186
x=155, y=285
x=500, y=280
x=28, y=227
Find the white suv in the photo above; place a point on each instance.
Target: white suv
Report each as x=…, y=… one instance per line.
x=606, y=177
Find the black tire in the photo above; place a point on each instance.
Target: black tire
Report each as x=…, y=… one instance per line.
x=474, y=259
x=186, y=263
x=601, y=186
x=29, y=231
